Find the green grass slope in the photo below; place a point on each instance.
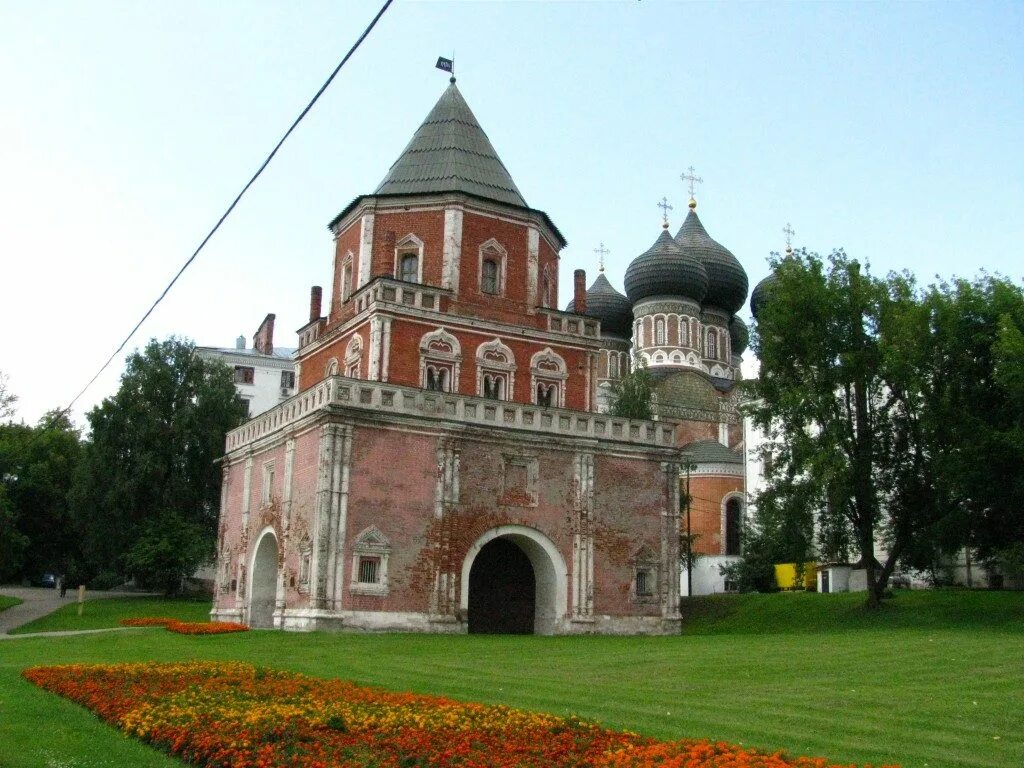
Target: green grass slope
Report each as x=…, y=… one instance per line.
x=107, y=612
x=927, y=694
x=9, y=602
x=788, y=612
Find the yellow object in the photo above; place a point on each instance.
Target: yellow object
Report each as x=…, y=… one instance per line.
x=785, y=576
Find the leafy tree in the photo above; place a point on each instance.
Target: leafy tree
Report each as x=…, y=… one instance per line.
x=7, y=399
x=12, y=541
x=633, y=393
x=151, y=462
x=37, y=465
x=843, y=398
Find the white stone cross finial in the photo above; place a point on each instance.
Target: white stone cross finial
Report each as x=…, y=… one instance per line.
x=601, y=252
x=788, y=232
x=692, y=177
x=665, y=208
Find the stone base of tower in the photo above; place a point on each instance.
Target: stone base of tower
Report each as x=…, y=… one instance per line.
x=364, y=506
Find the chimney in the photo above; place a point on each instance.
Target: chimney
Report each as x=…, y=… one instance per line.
x=316, y=295
x=579, y=292
x=240, y=342
x=263, y=341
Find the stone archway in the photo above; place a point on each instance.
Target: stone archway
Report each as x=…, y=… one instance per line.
x=501, y=569
x=263, y=589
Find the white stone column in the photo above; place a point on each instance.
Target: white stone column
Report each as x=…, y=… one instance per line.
x=322, y=517
x=385, y=343
x=373, y=370
x=583, y=540
x=339, y=514
x=532, y=260
x=670, y=543
x=365, y=248
x=452, y=254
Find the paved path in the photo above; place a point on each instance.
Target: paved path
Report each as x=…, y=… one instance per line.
x=40, y=601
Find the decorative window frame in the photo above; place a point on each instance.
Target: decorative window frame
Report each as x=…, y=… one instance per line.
x=353, y=356
x=409, y=245
x=660, y=332
x=549, y=368
x=645, y=561
x=371, y=543
x=546, y=285
x=488, y=364
x=347, y=276
x=711, y=344
x=520, y=497
x=267, y=486
x=684, y=332
x=432, y=355
x=332, y=367
x=492, y=249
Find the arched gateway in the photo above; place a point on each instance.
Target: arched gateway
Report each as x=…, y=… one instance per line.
x=514, y=581
x=263, y=590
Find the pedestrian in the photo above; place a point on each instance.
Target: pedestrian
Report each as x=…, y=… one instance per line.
x=63, y=584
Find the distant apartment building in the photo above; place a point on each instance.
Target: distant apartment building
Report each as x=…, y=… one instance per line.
x=264, y=375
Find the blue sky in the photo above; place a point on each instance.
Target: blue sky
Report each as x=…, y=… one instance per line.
x=893, y=130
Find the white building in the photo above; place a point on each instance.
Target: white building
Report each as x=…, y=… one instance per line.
x=264, y=375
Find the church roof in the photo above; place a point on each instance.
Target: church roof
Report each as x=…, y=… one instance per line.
x=665, y=269
x=711, y=452
x=451, y=153
x=609, y=306
x=727, y=282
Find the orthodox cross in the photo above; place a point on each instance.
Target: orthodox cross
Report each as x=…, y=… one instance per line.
x=788, y=232
x=601, y=252
x=693, y=178
x=665, y=208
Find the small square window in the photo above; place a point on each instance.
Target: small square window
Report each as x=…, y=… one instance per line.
x=288, y=379
x=369, y=570
x=644, y=583
x=244, y=374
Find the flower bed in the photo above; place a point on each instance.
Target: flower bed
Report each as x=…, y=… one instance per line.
x=147, y=621
x=234, y=714
x=186, y=627
x=205, y=627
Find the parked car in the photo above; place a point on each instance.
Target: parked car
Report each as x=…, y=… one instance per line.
x=47, y=580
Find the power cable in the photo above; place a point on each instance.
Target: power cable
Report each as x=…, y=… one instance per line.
x=230, y=208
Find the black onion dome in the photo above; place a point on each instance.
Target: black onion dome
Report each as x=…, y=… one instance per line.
x=760, y=294
x=666, y=270
x=609, y=306
x=739, y=334
x=727, y=282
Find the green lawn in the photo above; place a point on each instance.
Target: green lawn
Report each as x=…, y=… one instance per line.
x=9, y=602
x=823, y=678
x=107, y=612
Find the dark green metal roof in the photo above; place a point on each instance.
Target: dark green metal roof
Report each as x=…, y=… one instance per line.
x=665, y=269
x=760, y=294
x=451, y=153
x=711, y=452
x=739, y=334
x=609, y=306
x=727, y=282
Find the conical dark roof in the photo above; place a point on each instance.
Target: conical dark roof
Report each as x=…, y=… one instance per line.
x=609, y=306
x=666, y=270
x=739, y=335
x=712, y=452
x=760, y=293
x=451, y=153
x=727, y=282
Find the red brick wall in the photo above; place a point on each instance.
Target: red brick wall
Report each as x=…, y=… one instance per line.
x=706, y=510
x=391, y=227
x=314, y=367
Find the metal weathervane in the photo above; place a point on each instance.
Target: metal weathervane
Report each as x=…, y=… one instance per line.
x=601, y=252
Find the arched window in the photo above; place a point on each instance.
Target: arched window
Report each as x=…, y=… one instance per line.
x=684, y=333
x=346, y=280
x=353, y=354
x=659, y=332
x=732, y=527
x=410, y=267
x=713, y=344
x=613, y=366
x=440, y=358
x=495, y=371
x=492, y=268
x=332, y=367
x=548, y=373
